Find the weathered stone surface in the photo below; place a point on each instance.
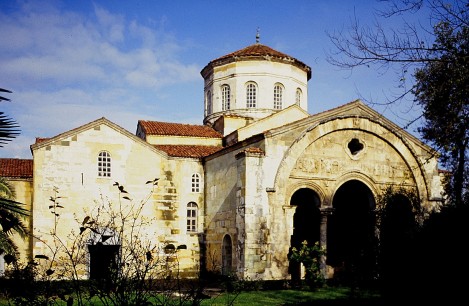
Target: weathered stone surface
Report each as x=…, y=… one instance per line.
x=275, y=163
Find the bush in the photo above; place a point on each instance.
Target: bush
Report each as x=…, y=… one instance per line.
x=310, y=256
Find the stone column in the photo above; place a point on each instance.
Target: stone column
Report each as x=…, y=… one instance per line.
x=325, y=212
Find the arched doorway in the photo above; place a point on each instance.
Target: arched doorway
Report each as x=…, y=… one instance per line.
x=226, y=255
x=306, y=224
x=397, y=229
x=351, y=238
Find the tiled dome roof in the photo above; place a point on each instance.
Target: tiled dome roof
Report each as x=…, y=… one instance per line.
x=257, y=51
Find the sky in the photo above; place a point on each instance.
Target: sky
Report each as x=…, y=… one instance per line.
x=70, y=62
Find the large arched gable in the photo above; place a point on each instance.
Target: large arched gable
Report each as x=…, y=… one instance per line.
x=350, y=124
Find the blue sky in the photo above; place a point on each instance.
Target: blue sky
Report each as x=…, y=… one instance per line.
x=72, y=62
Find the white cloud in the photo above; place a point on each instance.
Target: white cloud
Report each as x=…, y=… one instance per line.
x=67, y=68
x=113, y=24
x=65, y=47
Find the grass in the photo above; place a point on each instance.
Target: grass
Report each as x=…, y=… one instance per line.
x=328, y=296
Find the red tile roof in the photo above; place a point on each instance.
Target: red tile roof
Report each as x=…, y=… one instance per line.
x=41, y=139
x=254, y=150
x=16, y=168
x=255, y=51
x=177, y=129
x=188, y=150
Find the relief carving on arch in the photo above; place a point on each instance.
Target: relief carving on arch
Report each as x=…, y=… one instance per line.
x=330, y=157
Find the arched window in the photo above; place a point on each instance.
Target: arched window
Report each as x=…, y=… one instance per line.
x=209, y=102
x=226, y=255
x=104, y=164
x=191, y=217
x=251, y=95
x=298, y=96
x=225, y=97
x=278, y=96
x=195, y=183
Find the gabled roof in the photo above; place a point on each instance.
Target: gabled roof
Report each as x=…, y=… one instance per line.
x=16, y=168
x=177, y=129
x=257, y=51
x=188, y=150
x=281, y=118
x=355, y=108
x=41, y=139
x=42, y=142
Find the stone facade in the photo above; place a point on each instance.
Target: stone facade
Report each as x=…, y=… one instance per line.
x=66, y=166
x=262, y=178
x=250, y=188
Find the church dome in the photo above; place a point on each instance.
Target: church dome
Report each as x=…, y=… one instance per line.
x=255, y=52
x=253, y=83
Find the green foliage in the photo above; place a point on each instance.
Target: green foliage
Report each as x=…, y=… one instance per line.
x=39, y=292
x=11, y=212
x=399, y=217
x=321, y=296
x=443, y=92
x=324, y=296
x=8, y=127
x=442, y=256
x=140, y=272
x=436, y=54
x=11, y=220
x=392, y=195
x=310, y=256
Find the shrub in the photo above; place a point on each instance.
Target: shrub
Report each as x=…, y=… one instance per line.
x=310, y=256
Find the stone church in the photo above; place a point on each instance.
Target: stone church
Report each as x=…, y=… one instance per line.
x=235, y=194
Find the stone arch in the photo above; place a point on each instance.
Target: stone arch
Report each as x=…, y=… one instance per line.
x=351, y=231
x=311, y=144
x=356, y=176
x=306, y=224
x=227, y=255
x=368, y=125
x=398, y=226
x=292, y=189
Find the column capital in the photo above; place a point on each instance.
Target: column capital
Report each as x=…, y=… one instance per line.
x=327, y=210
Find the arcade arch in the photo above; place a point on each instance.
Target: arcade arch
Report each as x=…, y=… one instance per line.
x=306, y=223
x=351, y=230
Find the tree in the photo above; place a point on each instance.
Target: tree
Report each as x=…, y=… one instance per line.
x=442, y=89
x=11, y=214
x=11, y=211
x=8, y=127
x=113, y=241
x=435, y=63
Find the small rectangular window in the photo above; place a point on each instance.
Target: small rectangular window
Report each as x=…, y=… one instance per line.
x=104, y=164
x=195, y=183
